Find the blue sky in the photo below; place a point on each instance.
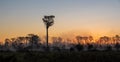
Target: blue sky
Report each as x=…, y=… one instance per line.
x=94, y=17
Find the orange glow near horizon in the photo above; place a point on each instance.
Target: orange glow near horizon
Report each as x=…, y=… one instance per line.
x=65, y=35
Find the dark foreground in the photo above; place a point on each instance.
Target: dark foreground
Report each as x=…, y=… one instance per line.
x=60, y=56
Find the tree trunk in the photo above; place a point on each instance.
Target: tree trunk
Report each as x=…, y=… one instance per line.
x=47, y=38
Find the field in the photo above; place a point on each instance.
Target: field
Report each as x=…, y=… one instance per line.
x=60, y=56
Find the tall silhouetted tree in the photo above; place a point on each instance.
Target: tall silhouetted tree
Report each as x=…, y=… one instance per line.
x=48, y=21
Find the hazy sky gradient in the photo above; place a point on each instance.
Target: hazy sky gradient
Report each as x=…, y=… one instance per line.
x=73, y=17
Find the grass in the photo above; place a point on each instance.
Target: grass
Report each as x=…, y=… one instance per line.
x=104, y=56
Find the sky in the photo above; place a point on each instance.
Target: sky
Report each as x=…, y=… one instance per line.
x=72, y=17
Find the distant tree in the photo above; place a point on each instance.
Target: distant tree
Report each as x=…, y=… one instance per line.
x=104, y=39
x=7, y=42
x=21, y=39
x=86, y=39
x=14, y=44
x=78, y=38
x=13, y=39
x=34, y=40
x=90, y=38
x=48, y=21
x=117, y=46
x=27, y=38
x=117, y=38
x=60, y=39
x=55, y=41
x=21, y=47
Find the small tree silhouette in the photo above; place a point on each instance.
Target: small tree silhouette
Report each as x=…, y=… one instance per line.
x=79, y=38
x=33, y=39
x=48, y=21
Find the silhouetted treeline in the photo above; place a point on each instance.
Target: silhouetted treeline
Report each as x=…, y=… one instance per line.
x=33, y=42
